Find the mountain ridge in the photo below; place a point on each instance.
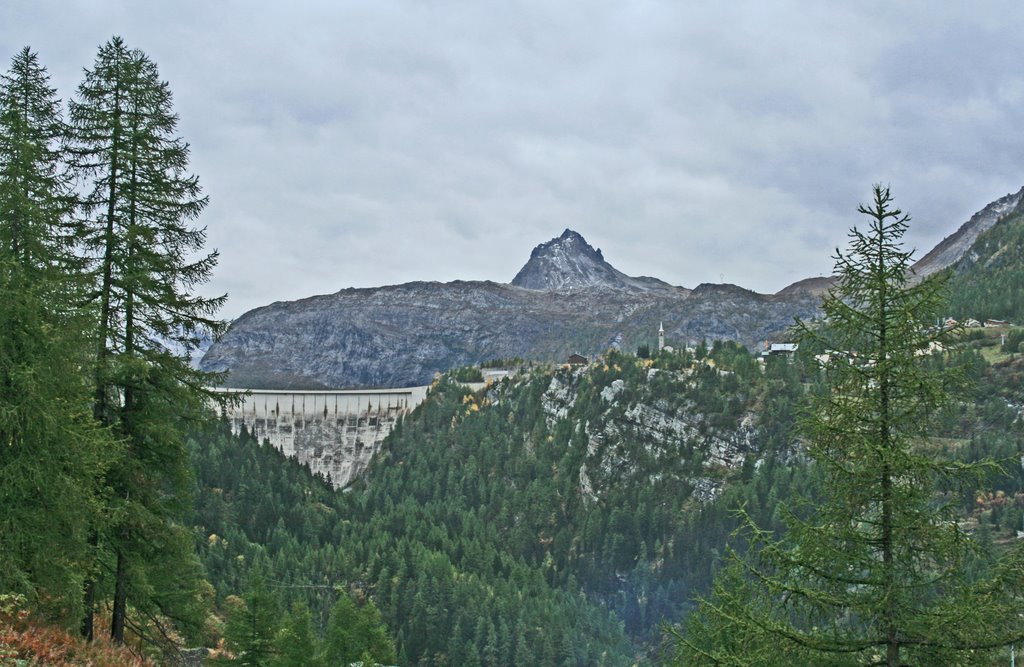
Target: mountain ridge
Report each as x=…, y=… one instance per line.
x=952, y=248
x=566, y=299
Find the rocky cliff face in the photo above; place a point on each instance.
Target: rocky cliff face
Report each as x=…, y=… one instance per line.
x=642, y=429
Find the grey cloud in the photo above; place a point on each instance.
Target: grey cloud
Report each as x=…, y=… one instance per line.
x=365, y=143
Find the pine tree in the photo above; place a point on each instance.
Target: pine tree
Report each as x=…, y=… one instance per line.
x=353, y=631
x=147, y=259
x=875, y=573
x=296, y=644
x=252, y=627
x=52, y=455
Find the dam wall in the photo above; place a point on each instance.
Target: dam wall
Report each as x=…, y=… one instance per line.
x=336, y=433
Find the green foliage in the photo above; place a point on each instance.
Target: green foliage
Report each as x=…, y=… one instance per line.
x=296, y=643
x=1014, y=340
x=510, y=362
x=52, y=455
x=146, y=262
x=251, y=633
x=468, y=374
x=357, y=633
x=875, y=568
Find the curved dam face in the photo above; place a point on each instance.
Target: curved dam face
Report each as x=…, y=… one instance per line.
x=335, y=432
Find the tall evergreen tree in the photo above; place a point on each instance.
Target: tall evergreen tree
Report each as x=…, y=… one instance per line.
x=253, y=626
x=36, y=196
x=296, y=643
x=52, y=455
x=354, y=631
x=874, y=572
x=147, y=259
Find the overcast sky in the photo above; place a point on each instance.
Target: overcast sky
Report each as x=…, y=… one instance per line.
x=356, y=144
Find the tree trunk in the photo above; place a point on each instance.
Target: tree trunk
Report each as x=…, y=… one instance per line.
x=892, y=645
x=117, y=619
x=89, y=602
x=102, y=352
x=89, y=605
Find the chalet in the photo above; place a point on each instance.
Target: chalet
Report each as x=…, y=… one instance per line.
x=996, y=323
x=578, y=360
x=782, y=348
x=933, y=346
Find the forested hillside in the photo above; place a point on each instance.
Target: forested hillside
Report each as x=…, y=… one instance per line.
x=536, y=522
x=989, y=281
x=544, y=521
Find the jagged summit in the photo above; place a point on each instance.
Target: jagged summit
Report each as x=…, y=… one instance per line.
x=569, y=262
x=572, y=241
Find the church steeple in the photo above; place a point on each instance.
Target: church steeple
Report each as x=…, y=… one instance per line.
x=661, y=336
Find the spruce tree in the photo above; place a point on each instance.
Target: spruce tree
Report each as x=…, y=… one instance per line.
x=52, y=455
x=874, y=570
x=147, y=258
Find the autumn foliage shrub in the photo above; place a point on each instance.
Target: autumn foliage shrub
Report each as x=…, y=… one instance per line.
x=24, y=642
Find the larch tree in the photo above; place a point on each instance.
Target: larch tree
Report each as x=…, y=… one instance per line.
x=147, y=259
x=52, y=454
x=875, y=570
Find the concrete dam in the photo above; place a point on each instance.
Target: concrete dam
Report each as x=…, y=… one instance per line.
x=336, y=433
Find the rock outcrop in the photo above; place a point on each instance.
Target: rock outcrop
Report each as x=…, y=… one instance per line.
x=634, y=435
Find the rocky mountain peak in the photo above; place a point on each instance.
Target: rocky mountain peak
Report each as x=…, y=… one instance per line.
x=565, y=262
x=569, y=262
x=566, y=299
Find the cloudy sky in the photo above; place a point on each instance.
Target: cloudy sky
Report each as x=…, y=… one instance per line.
x=356, y=144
